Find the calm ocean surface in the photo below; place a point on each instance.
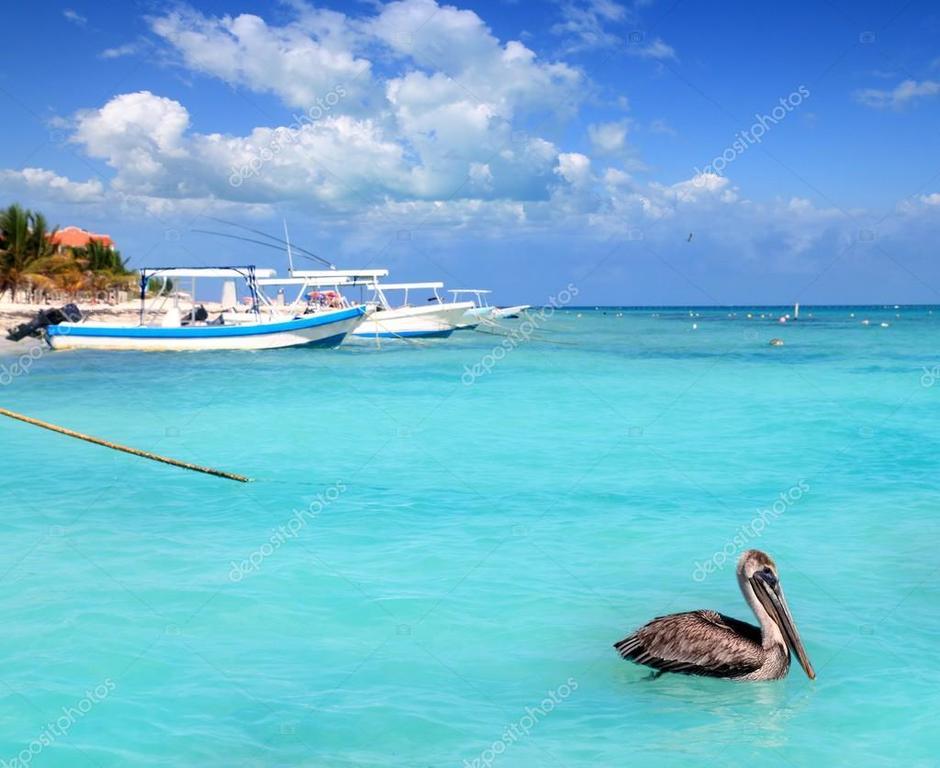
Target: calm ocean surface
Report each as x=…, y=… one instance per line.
x=431, y=568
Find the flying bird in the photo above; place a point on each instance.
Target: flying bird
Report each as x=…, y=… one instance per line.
x=690, y=238
x=714, y=645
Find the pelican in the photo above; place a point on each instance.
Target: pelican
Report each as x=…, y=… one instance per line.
x=711, y=644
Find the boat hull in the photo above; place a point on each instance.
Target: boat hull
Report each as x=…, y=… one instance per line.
x=435, y=321
x=325, y=329
x=504, y=313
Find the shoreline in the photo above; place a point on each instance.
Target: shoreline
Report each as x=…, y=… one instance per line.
x=126, y=312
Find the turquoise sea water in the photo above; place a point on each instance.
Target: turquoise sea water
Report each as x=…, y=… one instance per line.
x=463, y=555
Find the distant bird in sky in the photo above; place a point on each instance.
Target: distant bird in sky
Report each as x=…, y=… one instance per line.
x=714, y=645
x=690, y=238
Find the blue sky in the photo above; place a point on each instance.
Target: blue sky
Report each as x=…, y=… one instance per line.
x=521, y=146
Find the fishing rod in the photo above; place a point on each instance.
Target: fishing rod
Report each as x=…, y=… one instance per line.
x=276, y=239
x=256, y=242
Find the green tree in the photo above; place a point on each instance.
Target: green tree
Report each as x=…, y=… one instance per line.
x=24, y=242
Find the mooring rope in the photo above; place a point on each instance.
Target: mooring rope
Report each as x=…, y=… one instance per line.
x=124, y=448
x=506, y=333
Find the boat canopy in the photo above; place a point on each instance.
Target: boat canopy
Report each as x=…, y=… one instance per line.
x=313, y=282
x=469, y=290
x=180, y=272
x=334, y=273
x=407, y=286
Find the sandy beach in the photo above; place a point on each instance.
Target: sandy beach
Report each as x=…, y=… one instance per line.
x=12, y=314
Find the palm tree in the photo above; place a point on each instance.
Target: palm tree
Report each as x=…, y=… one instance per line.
x=28, y=256
x=24, y=240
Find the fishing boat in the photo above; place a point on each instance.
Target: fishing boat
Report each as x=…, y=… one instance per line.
x=481, y=309
x=434, y=319
x=437, y=319
x=261, y=326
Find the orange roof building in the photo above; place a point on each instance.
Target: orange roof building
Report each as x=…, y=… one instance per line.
x=76, y=237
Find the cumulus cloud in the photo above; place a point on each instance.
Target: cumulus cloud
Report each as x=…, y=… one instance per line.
x=299, y=62
x=47, y=185
x=590, y=24
x=455, y=106
x=608, y=138
x=906, y=92
x=338, y=160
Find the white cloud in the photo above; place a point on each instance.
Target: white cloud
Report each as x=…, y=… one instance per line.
x=586, y=25
x=47, y=185
x=575, y=168
x=932, y=199
x=660, y=126
x=655, y=49
x=452, y=109
x=297, y=64
x=75, y=17
x=136, y=133
x=120, y=51
x=608, y=138
x=902, y=94
x=338, y=161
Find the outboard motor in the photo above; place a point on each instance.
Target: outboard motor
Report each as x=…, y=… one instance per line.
x=45, y=318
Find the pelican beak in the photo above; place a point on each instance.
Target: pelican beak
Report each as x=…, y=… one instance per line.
x=770, y=593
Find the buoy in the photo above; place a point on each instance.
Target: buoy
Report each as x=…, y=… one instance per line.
x=694, y=326
x=885, y=325
x=866, y=322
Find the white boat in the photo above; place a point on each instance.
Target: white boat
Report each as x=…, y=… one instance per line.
x=482, y=310
x=506, y=313
x=192, y=330
x=435, y=319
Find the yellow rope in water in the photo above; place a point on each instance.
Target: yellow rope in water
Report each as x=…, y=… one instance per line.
x=124, y=448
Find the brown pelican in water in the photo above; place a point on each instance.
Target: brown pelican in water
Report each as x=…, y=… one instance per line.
x=709, y=643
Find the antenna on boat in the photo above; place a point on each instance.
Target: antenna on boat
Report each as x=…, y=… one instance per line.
x=271, y=237
x=290, y=258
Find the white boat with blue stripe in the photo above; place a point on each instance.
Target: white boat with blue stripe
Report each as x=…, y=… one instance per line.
x=432, y=318
x=262, y=325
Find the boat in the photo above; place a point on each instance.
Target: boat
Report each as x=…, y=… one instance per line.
x=482, y=311
x=435, y=319
x=261, y=326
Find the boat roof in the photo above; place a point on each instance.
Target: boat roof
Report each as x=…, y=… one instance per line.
x=406, y=286
x=329, y=273
x=207, y=271
x=469, y=290
x=313, y=282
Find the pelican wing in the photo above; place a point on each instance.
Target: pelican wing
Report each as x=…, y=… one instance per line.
x=696, y=643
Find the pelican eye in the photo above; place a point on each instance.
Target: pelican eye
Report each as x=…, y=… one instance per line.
x=769, y=576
